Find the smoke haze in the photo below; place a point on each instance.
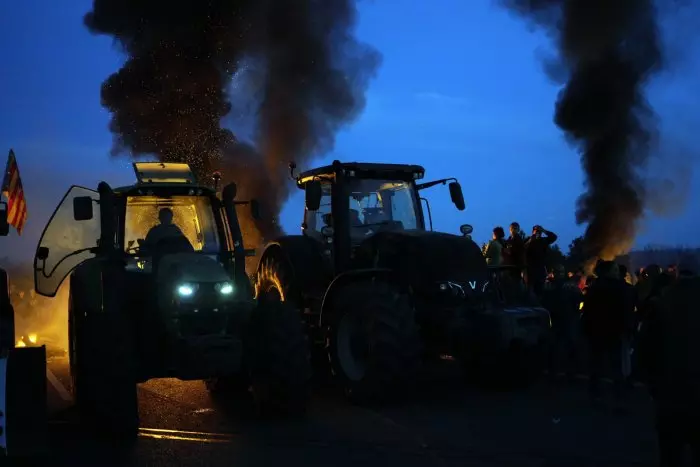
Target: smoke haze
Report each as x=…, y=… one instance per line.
x=609, y=49
x=170, y=96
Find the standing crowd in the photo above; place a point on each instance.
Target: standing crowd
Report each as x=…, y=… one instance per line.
x=626, y=327
x=524, y=254
x=646, y=331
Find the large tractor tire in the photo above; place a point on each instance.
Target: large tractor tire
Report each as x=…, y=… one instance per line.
x=101, y=351
x=275, y=281
x=277, y=358
x=373, y=342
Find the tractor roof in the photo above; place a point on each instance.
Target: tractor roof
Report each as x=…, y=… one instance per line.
x=164, y=177
x=365, y=170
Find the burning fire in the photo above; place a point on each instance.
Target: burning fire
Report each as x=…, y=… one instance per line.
x=30, y=339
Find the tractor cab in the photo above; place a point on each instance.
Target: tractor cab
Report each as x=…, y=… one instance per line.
x=366, y=200
x=347, y=203
x=367, y=197
x=165, y=212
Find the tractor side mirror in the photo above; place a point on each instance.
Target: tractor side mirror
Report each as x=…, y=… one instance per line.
x=466, y=229
x=82, y=208
x=457, y=196
x=4, y=226
x=313, y=195
x=229, y=193
x=42, y=253
x=255, y=209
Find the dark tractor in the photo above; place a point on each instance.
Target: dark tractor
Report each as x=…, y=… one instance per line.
x=23, y=410
x=159, y=289
x=377, y=290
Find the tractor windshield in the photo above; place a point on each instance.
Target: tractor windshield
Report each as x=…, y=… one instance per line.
x=191, y=216
x=381, y=204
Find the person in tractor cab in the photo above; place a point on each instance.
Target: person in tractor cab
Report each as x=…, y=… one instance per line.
x=165, y=231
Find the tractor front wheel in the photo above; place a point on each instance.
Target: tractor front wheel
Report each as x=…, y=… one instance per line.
x=277, y=358
x=373, y=342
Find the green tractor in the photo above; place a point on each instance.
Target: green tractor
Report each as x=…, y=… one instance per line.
x=159, y=290
x=379, y=291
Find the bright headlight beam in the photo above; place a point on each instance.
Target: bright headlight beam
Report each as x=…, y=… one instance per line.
x=185, y=290
x=226, y=289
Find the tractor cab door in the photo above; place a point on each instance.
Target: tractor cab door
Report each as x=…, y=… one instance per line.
x=69, y=239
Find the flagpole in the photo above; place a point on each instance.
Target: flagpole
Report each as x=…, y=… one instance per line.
x=4, y=177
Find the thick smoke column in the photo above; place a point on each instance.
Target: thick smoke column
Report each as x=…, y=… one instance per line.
x=171, y=94
x=610, y=48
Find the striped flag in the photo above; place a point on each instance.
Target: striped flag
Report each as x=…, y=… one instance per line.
x=12, y=189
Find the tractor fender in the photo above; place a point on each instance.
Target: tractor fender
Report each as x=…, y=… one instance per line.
x=348, y=277
x=304, y=259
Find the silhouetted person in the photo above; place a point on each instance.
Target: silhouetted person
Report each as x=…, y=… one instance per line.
x=514, y=251
x=165, y=231
x=536, y=248
x=494, y=249
x=562, y=299
x=669, y=349
x=630, y=322
x=603, y=323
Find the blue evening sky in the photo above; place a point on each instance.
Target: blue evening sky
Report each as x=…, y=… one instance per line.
x=460, y=91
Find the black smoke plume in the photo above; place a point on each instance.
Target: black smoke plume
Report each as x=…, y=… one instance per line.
x=610, y=49
x=170, y=96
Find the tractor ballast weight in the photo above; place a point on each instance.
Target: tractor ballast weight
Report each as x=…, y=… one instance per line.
x=376, y=288
x=158, y=288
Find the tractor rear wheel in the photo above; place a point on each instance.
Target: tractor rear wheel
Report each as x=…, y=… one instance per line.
x=277, y=358
x=101, y=356
x=373, y=342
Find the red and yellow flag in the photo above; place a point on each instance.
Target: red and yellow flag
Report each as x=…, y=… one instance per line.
x=12, y=189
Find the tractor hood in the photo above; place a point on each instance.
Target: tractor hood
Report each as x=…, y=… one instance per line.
x=422, y=256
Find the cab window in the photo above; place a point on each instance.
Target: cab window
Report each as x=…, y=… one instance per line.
x=316, y=220
x=192, y=215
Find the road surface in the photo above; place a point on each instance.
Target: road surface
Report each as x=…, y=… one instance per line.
x=447, y=424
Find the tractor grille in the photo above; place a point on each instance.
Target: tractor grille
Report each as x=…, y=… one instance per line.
x=202, y=323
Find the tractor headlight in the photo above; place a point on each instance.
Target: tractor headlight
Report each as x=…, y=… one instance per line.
x=186, y=290
x=224, y=288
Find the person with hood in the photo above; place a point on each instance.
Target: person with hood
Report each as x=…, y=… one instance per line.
x=603, y=324
x=494, y=249
x=668, y=352
x=536, y=248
